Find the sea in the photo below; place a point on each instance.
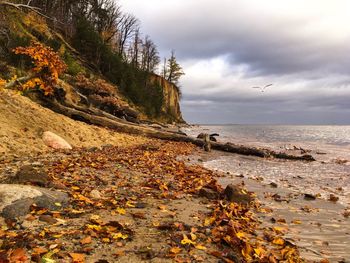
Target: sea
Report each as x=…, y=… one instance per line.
x=325, y=231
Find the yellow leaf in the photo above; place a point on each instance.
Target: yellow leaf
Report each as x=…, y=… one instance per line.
x=106, y=240
x=240, y=235
x=201, y=247
x=259, y=251
x=120, y=235
x=94, y=227
x=121, y=211
x=193, y=237
x=130, y=204
x=278, y=241
x=186, y=241
x=209, y=220
x=297, y=222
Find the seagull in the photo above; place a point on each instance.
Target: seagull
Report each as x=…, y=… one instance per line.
x=262, y=88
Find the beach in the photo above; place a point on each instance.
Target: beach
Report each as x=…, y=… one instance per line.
x=322, y=227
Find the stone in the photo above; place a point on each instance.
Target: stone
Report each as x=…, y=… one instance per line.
x=208, y=193
x=309, y=197
x=29, y=174
x=234, y=194
x=273, y=185
x=54, y=141
x=16, y=199
x=95, y=194
x=48, y=219
x=333, y=198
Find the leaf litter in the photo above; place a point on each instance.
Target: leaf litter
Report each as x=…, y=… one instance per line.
x=148, y=208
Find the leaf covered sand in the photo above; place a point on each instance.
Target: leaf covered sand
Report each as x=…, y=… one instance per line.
x=148, y=208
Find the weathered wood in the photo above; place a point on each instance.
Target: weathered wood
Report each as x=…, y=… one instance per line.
x=122, y=126
x=207, y=145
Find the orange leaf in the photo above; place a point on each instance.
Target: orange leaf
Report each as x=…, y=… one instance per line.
x=18, y=255
x=77, y=258
x=86, y=240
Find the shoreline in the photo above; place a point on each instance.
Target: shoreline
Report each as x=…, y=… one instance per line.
x=318, y=227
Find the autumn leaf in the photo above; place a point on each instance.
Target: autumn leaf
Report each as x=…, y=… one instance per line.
x=121, y=211
x=186, y=241
x=200, y=247
x=86, y=240
x=175, y=250
x=77, y=258
x=120, y=235
x=18, y=255
x=278, y=241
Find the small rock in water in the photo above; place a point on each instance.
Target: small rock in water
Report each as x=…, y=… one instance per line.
x=333, y=198
x=95, y=194
x=235, y=194
x=273, y=184
x=309, y=197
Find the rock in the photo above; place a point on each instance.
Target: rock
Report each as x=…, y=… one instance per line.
x=208, y=193
x=15, y=199
x=273, y=185
x=333, y=198
x=234, y=194
x=95, y=194
x=211, y=136
x=309, y=197
x=28, y=174
x=48, y=219
x=53, y=140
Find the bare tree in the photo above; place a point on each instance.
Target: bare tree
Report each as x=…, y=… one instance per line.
x=150, y=58
x=126, y=30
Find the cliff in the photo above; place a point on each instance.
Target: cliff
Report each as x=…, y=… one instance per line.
x=111, y=85
x=170, y=110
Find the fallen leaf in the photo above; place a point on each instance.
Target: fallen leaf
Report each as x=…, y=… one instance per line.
x=77, y=258
x=86, y=240
x=175, y=250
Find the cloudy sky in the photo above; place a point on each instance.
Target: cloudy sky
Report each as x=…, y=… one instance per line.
x=228, y=46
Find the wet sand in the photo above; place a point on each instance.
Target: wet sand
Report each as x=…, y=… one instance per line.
x=318, y=227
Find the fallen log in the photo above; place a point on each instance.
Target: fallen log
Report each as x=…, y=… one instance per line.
x=122, y=126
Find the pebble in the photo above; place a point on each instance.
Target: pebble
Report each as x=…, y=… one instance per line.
x=95, y=194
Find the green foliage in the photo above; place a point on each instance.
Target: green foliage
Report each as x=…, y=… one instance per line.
x=73, y=67
x=133, y=82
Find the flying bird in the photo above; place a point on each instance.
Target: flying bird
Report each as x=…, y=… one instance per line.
x=262, y=88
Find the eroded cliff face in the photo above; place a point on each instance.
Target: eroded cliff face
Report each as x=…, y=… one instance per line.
x=171, y=104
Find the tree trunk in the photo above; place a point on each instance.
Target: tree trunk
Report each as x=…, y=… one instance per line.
x=125, y=127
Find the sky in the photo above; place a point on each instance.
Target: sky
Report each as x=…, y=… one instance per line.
x=226, y=47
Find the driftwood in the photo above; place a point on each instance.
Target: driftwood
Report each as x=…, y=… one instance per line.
x=207, y=145
x=119, y=125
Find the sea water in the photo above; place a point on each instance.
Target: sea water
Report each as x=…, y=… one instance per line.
x=324, y=232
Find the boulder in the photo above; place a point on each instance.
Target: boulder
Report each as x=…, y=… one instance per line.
x=15, y=199
x=30, y=174
x=235, y=194
x=53, y=140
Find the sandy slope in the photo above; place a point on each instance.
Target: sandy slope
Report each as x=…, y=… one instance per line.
x=22, y=122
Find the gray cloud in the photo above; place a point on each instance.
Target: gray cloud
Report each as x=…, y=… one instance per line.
x=228, y=46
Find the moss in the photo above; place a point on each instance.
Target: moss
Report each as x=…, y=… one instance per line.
x=73, y=67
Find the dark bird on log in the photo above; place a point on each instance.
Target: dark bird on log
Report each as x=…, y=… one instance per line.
x=262, y=88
